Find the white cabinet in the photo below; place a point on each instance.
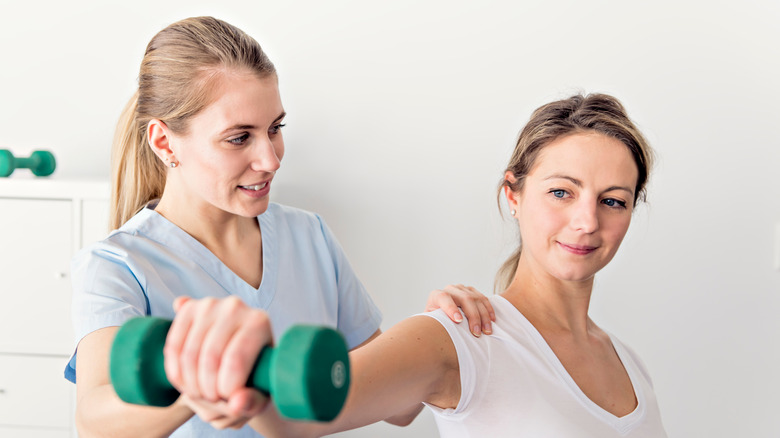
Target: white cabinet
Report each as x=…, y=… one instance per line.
x=43, y=222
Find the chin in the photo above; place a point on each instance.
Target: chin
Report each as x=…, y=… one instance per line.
x=576, y=275
x=253, y=210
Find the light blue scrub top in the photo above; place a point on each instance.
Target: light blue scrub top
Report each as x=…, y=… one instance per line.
x=142, y=267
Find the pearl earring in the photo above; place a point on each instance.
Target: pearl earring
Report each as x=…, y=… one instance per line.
x=173, y=164
x=513, y=212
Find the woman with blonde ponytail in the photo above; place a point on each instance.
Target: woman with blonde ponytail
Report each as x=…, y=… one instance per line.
x=138, y=175
x=579, y=168
x=194, y=157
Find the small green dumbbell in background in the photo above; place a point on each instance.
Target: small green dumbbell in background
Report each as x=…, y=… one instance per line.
x=306, y=375
x=41, y=163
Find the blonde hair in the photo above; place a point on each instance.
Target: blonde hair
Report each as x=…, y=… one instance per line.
x=594, y=112
x=181, y=65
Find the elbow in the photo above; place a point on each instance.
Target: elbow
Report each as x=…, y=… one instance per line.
x=404, y=419
x=82, y=425
x=401, y=421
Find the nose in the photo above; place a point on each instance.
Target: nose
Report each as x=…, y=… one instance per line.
x=585, y=216
x=265, y=156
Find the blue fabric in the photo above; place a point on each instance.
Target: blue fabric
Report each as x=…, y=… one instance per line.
x=142, y=267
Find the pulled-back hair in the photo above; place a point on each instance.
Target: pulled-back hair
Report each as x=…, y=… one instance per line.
x=181, y=66
x=591, y=113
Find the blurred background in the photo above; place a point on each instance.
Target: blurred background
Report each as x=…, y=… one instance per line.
x=402, y=117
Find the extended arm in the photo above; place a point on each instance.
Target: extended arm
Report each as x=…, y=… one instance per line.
x=411, y=363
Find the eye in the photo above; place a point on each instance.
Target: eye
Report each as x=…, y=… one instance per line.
x=275, y=129
x=614, y=203
x=240, y=140
x=558, y=193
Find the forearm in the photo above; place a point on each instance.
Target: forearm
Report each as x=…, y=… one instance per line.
x=100, y=413
x=271, y=425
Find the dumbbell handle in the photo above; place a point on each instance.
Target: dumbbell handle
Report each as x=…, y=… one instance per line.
x=40, y=163
x=307, y=376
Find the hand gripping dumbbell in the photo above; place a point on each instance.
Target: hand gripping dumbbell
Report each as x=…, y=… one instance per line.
x=306, y=374
x=41, y=163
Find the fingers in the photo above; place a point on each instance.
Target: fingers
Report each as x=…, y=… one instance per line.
x=195, y=354
x=479, y=318
x=234, y=413
x=174, y=344
x=475, y=306
x=212, y=346
x=241, y=352
x=178, y=302
x=439, y=299
x=247, y=403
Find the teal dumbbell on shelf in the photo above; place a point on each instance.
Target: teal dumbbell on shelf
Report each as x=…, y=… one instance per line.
x=40, y=163
x=306, y=374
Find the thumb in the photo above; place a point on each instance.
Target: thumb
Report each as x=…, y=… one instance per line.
x=247, y=402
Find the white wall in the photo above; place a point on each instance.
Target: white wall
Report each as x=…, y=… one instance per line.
x=402, y=115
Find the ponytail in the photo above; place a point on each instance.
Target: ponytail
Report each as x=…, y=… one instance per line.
x=138, y=176
x=506, y=273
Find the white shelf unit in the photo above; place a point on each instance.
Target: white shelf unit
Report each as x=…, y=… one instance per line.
x=43, y=222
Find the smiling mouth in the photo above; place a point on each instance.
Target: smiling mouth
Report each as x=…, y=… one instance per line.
x=255, y=187
x=578, y=249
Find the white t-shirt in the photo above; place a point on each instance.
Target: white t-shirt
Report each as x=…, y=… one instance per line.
x=142, y=267
x=513, y=385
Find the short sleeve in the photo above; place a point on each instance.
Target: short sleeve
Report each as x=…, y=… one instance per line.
x=358, y=316
x=467, y=349
x=106, y=293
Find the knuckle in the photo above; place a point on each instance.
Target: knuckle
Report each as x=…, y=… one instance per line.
x=207, y=303
x=209, y=359
x=233, y=306
x=190, y=354
x=258, y=320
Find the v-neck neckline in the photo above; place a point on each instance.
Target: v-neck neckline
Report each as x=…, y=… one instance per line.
x=171, y=235
x=621, y=424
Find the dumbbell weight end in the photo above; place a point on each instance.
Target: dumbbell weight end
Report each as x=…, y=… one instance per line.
x=40, y=163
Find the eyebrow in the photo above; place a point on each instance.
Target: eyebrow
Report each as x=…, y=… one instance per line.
x=239, y=126
x=578, y=183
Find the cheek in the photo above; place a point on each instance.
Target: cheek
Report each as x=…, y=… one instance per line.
x=542, y=224
x=197, y=155
x=616, y=228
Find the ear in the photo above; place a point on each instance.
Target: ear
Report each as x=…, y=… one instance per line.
x=159, y=137
x=512, y=198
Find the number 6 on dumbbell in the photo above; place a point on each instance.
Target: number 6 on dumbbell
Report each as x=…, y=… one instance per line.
x=306, y=375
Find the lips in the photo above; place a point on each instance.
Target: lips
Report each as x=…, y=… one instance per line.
x=577, y=249
x=255, y=187
x=257, y=190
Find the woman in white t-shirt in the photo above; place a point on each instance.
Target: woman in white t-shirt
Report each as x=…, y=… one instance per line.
x=579, y=168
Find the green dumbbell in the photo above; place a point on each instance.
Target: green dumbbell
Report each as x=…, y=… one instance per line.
x=306, y=375
x=41, y=163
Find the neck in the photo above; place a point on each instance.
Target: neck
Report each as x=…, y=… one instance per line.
x=216, y=229
x=548, y=302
